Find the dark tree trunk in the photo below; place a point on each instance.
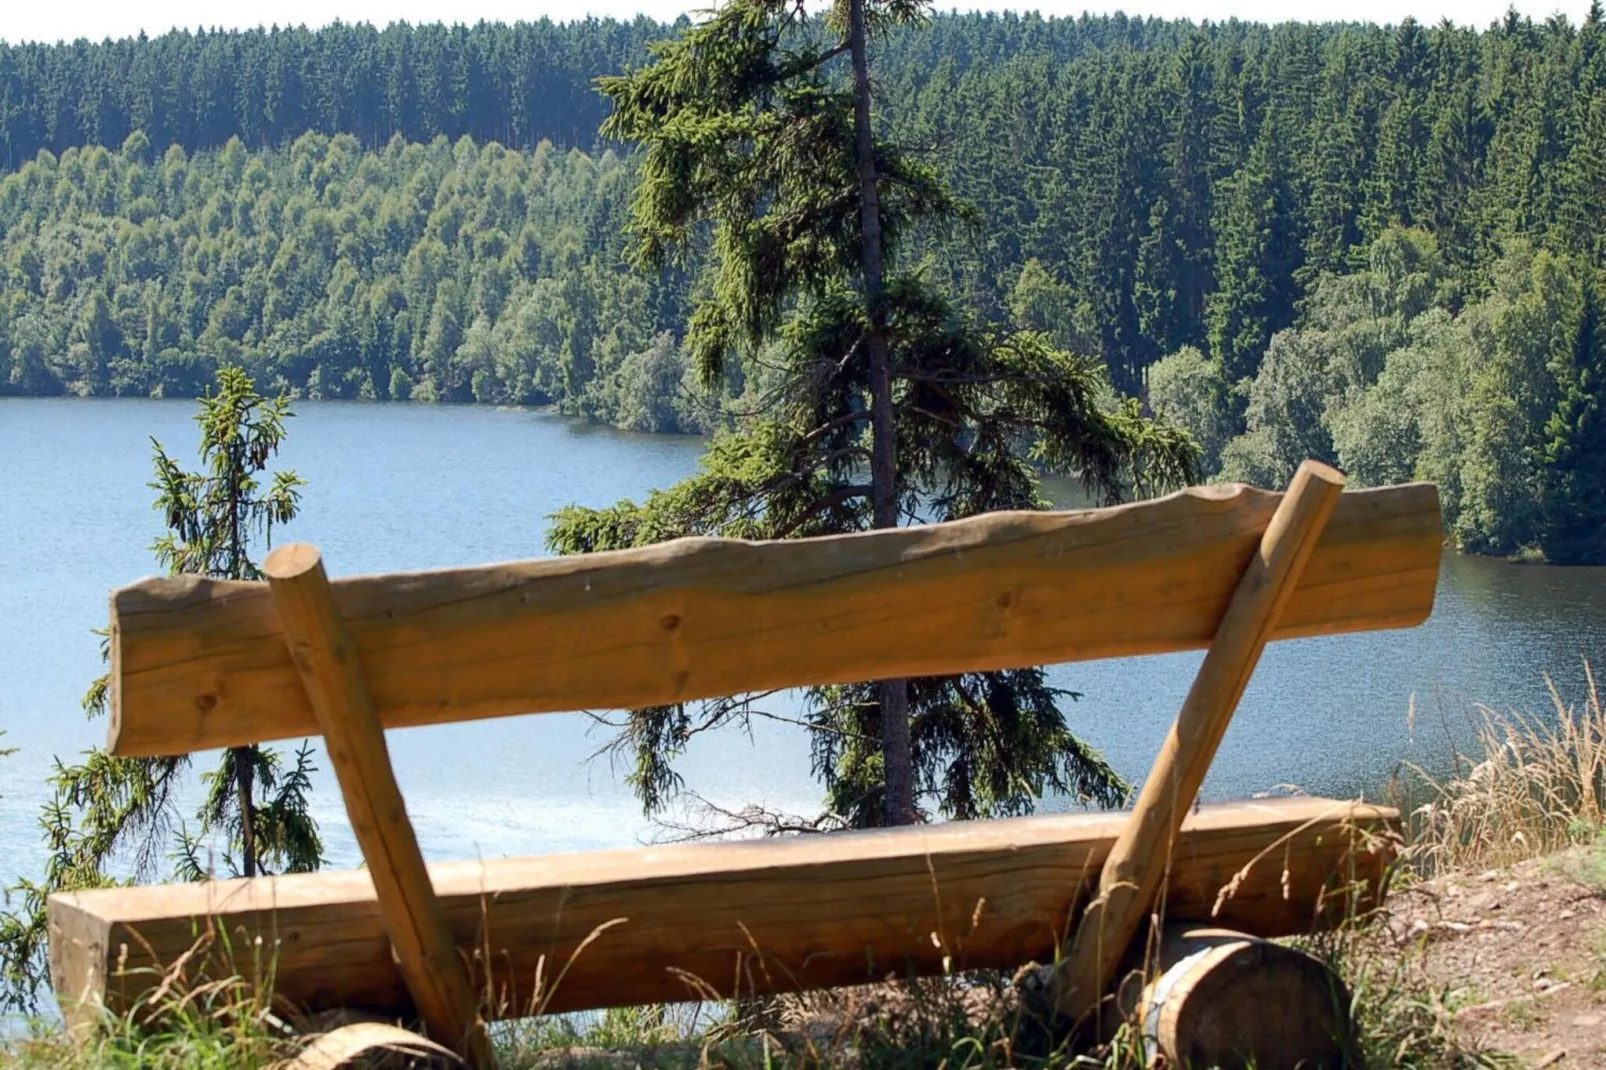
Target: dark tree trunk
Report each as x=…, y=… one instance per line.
x=896, y=753
x=244, y=774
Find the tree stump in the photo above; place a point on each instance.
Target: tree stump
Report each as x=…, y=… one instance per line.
x=1222, y=999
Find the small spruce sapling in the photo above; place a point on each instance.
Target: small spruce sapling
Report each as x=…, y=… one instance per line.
x=116, y=820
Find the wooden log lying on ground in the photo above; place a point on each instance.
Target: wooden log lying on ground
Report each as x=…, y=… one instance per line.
x=690, y=921
x=201, y=663
x=1232, y=1001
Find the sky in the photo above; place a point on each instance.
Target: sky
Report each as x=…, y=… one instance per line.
x=52, y=20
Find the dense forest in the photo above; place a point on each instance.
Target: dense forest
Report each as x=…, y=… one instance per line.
x=431, y=272
x=514, y=84
x=1294, y=238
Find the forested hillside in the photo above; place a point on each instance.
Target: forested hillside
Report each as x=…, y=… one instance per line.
x=1144, y=189
x=450, y=272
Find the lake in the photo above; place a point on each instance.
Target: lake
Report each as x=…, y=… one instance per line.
x=409, y=487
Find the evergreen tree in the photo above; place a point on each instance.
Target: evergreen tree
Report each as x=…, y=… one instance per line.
x=1402, y=137
x=1174, y=270
x=1258, y=256
x=889, y=402
x=1140, y=185
x=115, y=819
x=1573, y=487
x=1342, y=159
x=1584, y=180
x=213, y=517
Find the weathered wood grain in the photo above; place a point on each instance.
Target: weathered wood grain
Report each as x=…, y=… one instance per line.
x=326, y=658
x=1222, y=999
x=201, y=663
x=1136, y=864
x=679, y=922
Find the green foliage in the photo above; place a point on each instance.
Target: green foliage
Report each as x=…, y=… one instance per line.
x=986, y=744
x=1390, y=375
x=1194, y=392
x=1185, y=185
x=750, y=139
x=116, y=819
x=1284, y=416
x=1572, y=489
x=212, y=517
x=1258, y=256
x=1171, y=185
x=1040, y=302
x=519, y=84
x=439, y=271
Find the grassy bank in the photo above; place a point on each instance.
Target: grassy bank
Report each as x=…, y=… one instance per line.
x=1532, y=787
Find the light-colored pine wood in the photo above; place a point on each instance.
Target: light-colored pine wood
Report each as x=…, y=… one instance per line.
x=326, y=659
x=758, y=916
x=198, y=663
x=1133, y=872
x=1225, y=999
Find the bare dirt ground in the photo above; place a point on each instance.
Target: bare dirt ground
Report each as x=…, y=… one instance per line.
x=1519, y=955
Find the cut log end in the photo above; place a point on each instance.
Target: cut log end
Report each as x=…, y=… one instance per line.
x=292, y=561
x=1326, y=473
x=1224, y=999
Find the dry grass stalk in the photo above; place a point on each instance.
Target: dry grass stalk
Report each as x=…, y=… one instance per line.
x=1538, y=787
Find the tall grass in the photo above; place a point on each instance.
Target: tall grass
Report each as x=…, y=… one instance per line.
x=1532, y=787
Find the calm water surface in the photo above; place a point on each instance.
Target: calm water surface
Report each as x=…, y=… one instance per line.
x=407, y=487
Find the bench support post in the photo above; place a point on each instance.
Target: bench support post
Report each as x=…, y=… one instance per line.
x=326, y=659
x=1133, y=871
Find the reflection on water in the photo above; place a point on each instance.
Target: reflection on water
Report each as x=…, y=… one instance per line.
x=416, y=487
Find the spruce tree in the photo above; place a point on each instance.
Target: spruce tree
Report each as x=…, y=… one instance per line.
x=1258, y=254
x=1333, y=206
x=1584, y=182
x=113, y=819
x=889, y=404
x=1572, y=491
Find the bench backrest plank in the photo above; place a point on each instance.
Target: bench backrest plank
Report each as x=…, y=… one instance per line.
x=201, y=663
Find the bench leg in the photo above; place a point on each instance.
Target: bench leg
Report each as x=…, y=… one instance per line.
x=326, y=659
x=1136, y=865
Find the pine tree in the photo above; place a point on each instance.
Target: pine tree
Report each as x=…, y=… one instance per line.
x=1402, y=137
x=1174, y=256
x=115, y=819
x=889, y=402
x=213, y=517
x=1258, y=256
x=1584, y=182
x=1573, y=483
x=1340, y=163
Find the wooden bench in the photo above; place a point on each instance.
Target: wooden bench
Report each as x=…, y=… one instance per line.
x=201, y=663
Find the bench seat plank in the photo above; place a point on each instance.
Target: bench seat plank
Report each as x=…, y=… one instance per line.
x=747, y=917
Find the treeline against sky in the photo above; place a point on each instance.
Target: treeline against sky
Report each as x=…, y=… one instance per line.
x=517, y=84
x=1144, y=189
x=1184, y=183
